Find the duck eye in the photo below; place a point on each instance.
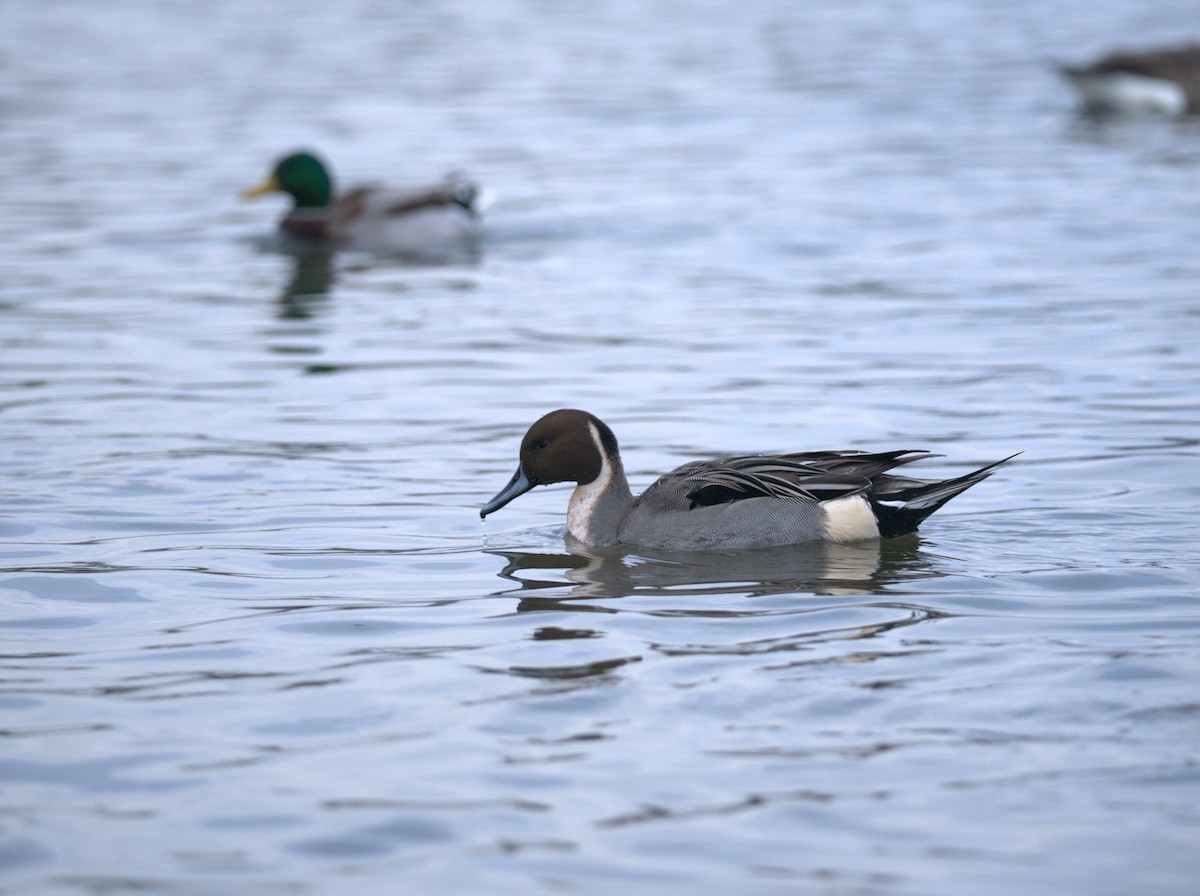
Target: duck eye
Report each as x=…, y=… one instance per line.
x=540, y=444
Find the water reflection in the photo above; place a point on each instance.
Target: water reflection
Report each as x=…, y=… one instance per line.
x=314, y=273
x=821, y=569
x=821, y=616
x=310, y=284
x=1172, y=138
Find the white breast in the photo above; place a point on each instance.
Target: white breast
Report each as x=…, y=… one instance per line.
x=585, y=497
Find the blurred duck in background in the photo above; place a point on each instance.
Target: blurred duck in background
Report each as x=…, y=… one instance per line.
x=433, y=221
x=1163, y=80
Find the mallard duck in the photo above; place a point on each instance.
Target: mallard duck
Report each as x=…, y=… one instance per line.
x=436, y=220
x=1162, y=80
x=754, y=501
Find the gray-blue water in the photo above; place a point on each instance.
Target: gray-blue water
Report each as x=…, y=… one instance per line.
x=254, y=637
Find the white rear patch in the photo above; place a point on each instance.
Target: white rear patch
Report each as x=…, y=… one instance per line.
x=849, y=519
x=584, y=498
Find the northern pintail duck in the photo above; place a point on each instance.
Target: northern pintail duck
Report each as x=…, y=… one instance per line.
x=433, y=220
x=1161, y=80
x=746, y=501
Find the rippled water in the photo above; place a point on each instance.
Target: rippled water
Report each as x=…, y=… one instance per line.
x=255, y=639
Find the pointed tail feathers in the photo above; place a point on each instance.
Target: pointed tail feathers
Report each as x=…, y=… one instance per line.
x=902, y=504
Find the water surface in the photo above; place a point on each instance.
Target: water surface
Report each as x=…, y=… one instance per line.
x=255, y=639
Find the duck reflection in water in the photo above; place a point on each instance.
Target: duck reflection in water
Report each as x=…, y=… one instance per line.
x=861, y=568
x=310, y=285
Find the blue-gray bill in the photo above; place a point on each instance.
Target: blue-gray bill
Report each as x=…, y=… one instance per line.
x=516, y=487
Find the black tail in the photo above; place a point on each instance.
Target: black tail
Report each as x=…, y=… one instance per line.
x=902, y=504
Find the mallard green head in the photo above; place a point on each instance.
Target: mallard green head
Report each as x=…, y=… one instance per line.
x=301, y=175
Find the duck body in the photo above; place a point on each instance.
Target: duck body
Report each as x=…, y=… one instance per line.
x=439, y=219
x=728, y=503
x=1165, y=81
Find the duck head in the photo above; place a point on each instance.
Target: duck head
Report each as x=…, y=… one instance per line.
x=302, y=176
x=564, y=446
